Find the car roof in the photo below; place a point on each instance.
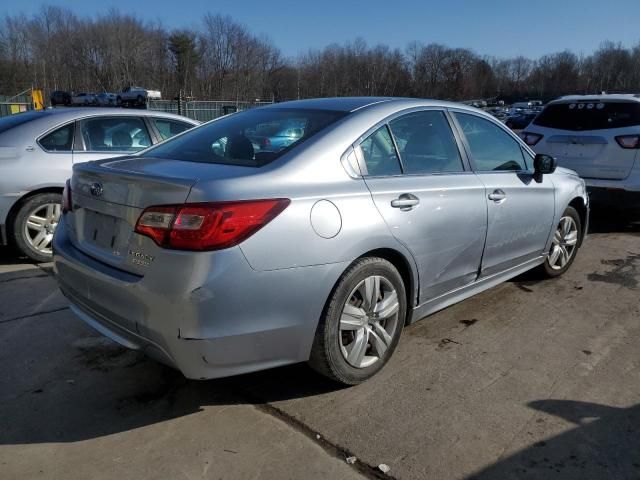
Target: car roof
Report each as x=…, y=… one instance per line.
x=614, y=97
x=351, y=104
x=63, y=114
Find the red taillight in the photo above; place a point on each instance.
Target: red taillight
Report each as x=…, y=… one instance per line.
x=207, y=226
x=265, y=143
x=67, y=205
x=530, y=138
x=628, y=141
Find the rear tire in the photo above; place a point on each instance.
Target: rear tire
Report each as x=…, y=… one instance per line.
x=356, y=336
x=565, y=245
x=34, y=225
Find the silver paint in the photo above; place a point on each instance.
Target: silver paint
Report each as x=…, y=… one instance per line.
x=257, y=305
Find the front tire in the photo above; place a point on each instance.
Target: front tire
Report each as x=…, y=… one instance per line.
x=35, y=224
x=362, y=322
x=565, y=244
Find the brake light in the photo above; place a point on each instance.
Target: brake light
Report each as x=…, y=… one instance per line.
x=207, y=226
x=530, y=138
x=67, y=205
x=628, y=141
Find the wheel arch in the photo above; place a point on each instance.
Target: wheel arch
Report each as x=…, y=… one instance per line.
x=406, y=269
x=579, y=204
x=15, y=208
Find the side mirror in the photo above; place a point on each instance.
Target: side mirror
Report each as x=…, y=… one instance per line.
x=543, y=164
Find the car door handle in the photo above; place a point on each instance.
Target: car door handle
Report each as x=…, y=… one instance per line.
x=497, y=195
x=406, y=201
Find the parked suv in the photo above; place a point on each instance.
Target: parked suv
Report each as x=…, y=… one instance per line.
x=60, y=97
x=598, y=136
x=38, y=150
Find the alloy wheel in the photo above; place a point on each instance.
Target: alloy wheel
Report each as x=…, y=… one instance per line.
x=40, y=226
x=368, y=321
x=564, y=243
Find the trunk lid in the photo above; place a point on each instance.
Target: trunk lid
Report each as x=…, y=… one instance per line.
x=110, y=195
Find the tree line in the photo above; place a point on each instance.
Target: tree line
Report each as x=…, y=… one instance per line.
x=222, y=59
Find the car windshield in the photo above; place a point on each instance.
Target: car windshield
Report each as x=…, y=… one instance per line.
x=16, y=119
x=585, y=115
x=252, y=138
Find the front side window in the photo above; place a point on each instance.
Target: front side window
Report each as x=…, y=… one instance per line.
x=115, y=134
x=252, y=138
x=379, y=154
x=492, y=149
x=60, y=140
x=426, y=143
x=170, y=128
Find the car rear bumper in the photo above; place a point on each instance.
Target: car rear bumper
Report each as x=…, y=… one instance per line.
x=232, y=320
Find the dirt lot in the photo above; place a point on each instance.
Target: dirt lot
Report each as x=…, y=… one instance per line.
x=528, y=380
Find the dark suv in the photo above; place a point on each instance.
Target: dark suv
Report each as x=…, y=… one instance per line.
x=60, y=97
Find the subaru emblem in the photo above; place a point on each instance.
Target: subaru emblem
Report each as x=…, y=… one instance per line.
x=96, y=189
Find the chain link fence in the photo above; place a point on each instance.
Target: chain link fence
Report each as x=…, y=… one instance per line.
x=202, y=110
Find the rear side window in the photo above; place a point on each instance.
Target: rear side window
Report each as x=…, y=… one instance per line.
x=426, y=143
x=18, y=119
x=379, y=154
x=60, y=140
x=115, y=134
x=581, y=116
x=251, y=138
x=492, y=149
x=169, y=128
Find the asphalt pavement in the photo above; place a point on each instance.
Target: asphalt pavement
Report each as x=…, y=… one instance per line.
x=532, y=379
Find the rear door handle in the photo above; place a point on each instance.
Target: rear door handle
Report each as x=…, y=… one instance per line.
x=497, y=195
x=406, y=201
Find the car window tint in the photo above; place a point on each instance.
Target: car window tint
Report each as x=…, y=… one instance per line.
x=492, y=149
x=585, y=115
x=426, y=143
x=169, y=128
x=379, y=154
x=117, y=134
x=60, y=140
x=252, y=138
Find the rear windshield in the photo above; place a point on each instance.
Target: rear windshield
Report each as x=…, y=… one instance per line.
x=589, y=115
x=252, y=138
x=16, y=119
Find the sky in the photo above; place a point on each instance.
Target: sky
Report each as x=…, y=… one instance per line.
x=492, y=27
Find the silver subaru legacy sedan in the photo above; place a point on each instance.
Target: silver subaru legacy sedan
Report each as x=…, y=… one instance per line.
x=219, y=252
x=38, y=150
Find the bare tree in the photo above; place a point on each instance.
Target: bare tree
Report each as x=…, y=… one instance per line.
x=223, y=59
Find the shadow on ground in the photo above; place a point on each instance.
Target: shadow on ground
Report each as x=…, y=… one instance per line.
x=8, y=256
x=113, y=390
x=614, y=221
x=603, y=443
